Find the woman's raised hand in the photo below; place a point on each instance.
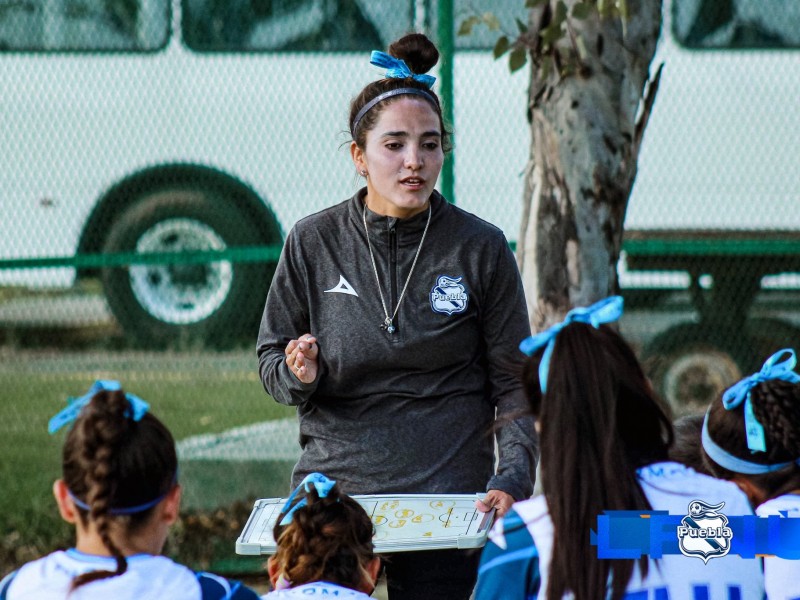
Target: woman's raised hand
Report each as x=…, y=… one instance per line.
x=301, y=357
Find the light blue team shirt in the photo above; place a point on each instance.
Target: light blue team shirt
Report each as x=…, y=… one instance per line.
x=319, y=589
x=516, y=558
x=147, y=577
x=781, y=576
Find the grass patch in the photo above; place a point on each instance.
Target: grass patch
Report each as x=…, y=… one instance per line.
x=191, y=394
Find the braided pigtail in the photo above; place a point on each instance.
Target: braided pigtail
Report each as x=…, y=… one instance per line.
x=776, y=405
x=92, y=443
x=117, y=468
x=328, y=539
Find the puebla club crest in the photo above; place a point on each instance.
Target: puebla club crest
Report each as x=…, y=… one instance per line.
x=704, y=532
x=449, y=296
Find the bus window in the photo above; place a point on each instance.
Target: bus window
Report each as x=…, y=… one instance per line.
x=732, y=24
x=289, y=25
x=83, y=25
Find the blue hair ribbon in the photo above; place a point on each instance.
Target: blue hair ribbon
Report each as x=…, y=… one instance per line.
x=396, y=68
x=604, y=311
x=318, y=481
x=740, y=392
x=137, y=409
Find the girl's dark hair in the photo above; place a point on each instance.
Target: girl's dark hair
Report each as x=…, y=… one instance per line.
x=328, y=539
x=111, y=462
x=420, y=54
x=776, y=405
x=599, y=421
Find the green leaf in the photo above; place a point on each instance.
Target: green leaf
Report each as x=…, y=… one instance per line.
x=561, y=12
x=551, y=34
x=491, y=21
x=517, y=59
x=534, y=3
x=582, y=10
x=467, y=24
x=545, y=71
x=523, y=28
x=501, y=47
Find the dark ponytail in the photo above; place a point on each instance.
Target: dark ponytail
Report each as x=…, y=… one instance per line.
x=600, y=421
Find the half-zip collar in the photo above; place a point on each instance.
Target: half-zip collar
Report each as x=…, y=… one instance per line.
x=407, y=231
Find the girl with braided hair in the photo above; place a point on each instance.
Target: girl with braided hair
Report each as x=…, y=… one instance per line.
x=324, y=544
x=605, y=441
x=751, y=436
x=120, y=490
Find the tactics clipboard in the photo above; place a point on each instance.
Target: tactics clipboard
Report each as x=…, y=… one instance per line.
x=403, y=523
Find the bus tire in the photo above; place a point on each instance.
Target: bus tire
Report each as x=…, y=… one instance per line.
x=185, y=305
x=689, y=365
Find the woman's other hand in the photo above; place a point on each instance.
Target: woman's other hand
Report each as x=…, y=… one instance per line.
x=497, y=500
x=301, y=357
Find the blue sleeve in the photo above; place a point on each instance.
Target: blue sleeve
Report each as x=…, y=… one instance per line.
x=510, y=573
x=214, y=587
x=5, y=584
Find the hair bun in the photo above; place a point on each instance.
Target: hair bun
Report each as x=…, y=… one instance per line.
x=417, y=51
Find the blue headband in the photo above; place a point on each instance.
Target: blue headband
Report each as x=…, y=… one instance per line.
x=604, y=311
x=320, y=483
x=740, y=392
x=126, y=510
x=138, y=407
x=398, y=69
x=733, y=463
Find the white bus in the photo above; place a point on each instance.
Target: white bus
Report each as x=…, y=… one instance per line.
x=152, y=125
x=161, y=125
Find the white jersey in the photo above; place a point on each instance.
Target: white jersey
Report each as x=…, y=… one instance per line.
x=669, y=487
x=781, y=576
x=319, y=589
x=147, y=577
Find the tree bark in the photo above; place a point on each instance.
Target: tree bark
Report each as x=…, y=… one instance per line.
x=590, y=98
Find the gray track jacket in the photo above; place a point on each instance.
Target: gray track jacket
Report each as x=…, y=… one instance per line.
x=412, y=411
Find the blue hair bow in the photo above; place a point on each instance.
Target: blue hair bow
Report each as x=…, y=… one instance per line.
x=138, y=407
x=396, y=68
x=321, y=483
x=604, y=311
x=740, y=392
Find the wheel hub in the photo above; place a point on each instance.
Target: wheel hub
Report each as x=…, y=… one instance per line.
x=696, y=378
x=181, y=294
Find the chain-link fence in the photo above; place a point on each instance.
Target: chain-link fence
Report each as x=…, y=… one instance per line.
x=155, y=153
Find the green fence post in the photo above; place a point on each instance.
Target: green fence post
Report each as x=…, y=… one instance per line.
x=446, y=27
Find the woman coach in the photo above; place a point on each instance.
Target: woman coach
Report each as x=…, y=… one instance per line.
x=393, y=324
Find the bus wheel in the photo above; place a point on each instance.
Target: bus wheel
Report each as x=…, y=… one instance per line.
x=208, y=304
x=689, y=366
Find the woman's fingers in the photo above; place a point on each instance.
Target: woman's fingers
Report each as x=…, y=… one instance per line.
x=299, y=353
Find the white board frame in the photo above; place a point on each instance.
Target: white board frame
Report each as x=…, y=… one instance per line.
x=256, y=537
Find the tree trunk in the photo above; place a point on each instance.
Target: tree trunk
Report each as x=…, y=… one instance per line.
x=590, y=98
